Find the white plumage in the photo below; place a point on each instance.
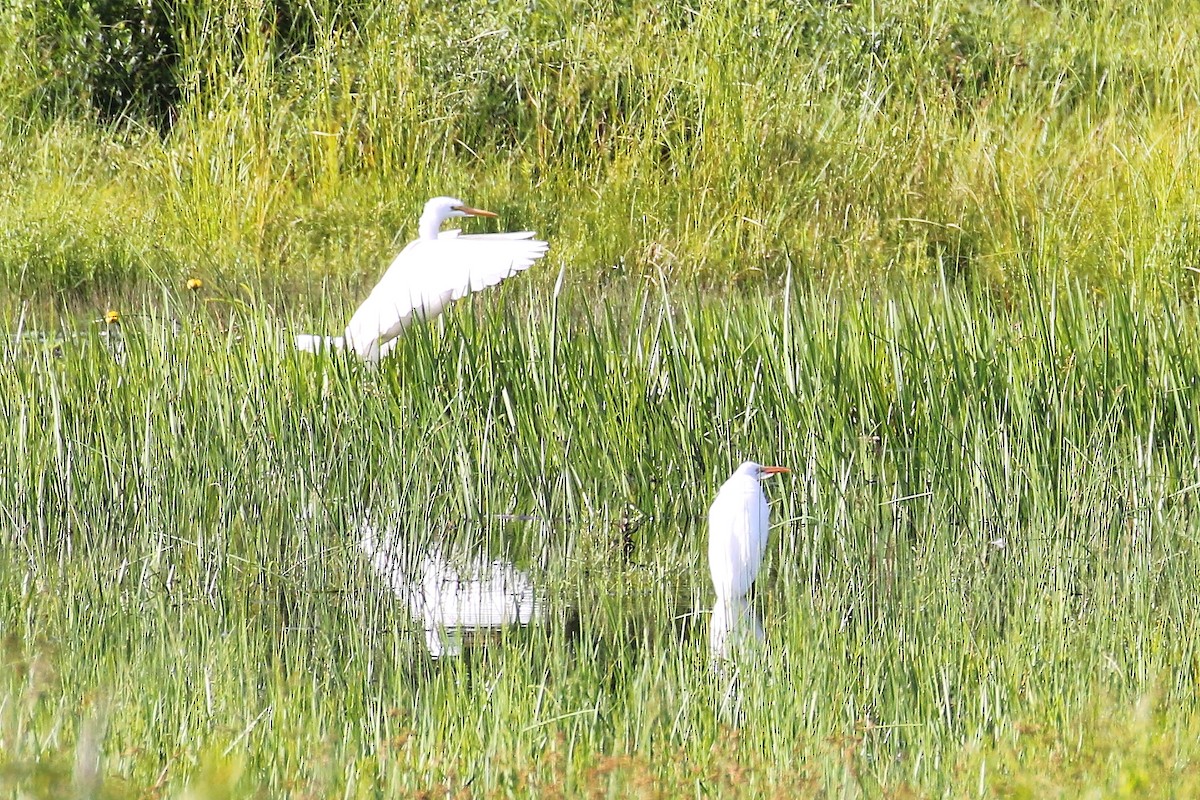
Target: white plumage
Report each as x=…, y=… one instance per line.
x=431, y=272
x=734, y=625
x=739, y=522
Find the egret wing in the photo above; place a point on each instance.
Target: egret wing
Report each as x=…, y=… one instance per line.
x=455, y=233
x=427, y=275
x=734, y=626
x=481, y=261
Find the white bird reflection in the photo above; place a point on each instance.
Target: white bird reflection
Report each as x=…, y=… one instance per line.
x=452, y=597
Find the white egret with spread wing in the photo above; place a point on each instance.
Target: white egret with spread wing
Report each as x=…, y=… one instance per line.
x=436, y=269
x=738, y=525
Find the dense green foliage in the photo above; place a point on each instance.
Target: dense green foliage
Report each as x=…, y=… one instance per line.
x=114, y=58
x=989, y=142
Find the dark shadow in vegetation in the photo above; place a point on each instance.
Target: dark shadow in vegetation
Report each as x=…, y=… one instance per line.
x=956, y=250
x=117, y=59
x=120, y=61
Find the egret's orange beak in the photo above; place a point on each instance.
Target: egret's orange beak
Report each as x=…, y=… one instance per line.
x=475, y=212
x=773, y=470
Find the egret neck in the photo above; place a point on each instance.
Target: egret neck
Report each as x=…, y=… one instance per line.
x=440, y=209
x=431, y=221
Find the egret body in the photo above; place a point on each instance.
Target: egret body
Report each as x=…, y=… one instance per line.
x=738, y=525
x=431, y=272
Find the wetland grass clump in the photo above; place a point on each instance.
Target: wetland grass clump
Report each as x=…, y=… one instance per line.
x=854, y=143
x=982, y=580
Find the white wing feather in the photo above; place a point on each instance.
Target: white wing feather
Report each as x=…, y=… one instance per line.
x=455, y=233
x=734, y=627
x=430, y=273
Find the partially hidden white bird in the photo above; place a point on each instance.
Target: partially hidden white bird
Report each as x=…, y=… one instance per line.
x=436, y=269
x=452, y=598
x=738, y=529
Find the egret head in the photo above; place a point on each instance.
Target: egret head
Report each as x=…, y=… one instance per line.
x=440, y=209
x=446, y=207
x=758, y=471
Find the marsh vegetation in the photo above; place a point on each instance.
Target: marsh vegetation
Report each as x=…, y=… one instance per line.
x=938, y=259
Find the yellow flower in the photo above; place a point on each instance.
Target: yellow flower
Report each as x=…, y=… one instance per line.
x=195, y=284
x=111, y=317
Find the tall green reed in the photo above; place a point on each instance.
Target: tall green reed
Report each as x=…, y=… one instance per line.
x=988, y=533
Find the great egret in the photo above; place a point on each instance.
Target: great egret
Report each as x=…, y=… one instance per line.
x=432, y=271
x=738, y=525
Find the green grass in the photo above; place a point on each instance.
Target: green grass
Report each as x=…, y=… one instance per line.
x=855, y=143
x=939, y=258
x=182, y=584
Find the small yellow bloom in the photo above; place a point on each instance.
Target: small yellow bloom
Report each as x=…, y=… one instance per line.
x=111, y=317
x=195, y=284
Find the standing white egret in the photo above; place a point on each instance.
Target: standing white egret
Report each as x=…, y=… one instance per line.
x=432, y=271
x=738, y=526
